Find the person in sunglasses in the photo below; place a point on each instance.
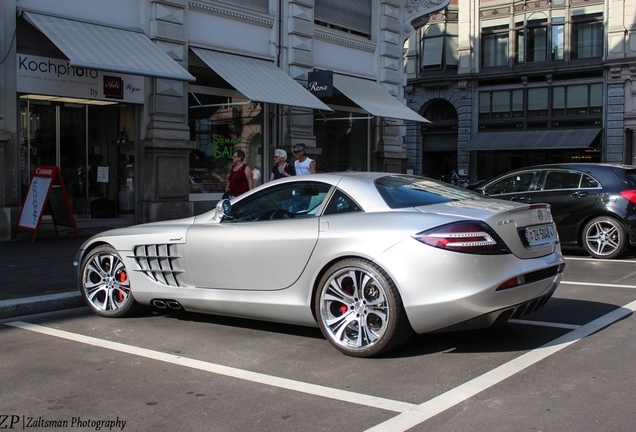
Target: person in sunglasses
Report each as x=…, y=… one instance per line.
x=281, y=167
x=303, y=164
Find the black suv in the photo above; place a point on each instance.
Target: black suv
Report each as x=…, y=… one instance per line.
x=594, y=205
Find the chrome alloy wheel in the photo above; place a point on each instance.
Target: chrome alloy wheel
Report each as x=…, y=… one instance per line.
x=105, y=284
x=359, y=309
x=604, y=237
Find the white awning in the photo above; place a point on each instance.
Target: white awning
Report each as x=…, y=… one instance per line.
x=93, y=46
x=259, y=80
x=374, y=99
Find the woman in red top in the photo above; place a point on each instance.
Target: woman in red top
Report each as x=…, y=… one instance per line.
x=240, y=179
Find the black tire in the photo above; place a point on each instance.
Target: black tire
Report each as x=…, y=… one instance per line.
x=105, y=285
x=604, y=237
x=354, y=295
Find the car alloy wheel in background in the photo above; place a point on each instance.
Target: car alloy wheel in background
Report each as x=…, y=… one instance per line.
x=604, y=237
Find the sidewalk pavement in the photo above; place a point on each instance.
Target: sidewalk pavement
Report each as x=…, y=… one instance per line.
x=39, y=276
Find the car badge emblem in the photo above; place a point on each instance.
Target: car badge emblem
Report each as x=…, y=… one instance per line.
x=540, y=215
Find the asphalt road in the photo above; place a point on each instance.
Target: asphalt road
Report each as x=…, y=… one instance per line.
x=569, y=367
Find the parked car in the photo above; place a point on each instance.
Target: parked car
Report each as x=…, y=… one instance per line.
x=367, y=257
x=593, y=204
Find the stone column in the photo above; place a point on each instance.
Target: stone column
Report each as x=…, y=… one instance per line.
x=164, y=192
x=297, y=53
x=9, y=146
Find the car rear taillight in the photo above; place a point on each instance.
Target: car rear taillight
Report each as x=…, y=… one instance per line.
x=629, y=195
x=468, y=237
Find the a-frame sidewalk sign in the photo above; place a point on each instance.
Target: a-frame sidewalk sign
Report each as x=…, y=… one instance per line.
x=45, y=191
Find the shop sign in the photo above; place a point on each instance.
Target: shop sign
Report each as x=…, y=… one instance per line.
x=221, y=147
x=50, y=76
x=320, y=83
x=46, y=191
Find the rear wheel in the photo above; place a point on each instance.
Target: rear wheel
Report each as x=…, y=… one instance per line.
x=604, y=237
x=105, y=285
x=359, y=309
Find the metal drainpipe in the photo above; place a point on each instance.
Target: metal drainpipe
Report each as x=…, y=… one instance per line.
x=279, y=53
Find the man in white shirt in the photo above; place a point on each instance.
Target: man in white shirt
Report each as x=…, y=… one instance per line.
x=303, y=164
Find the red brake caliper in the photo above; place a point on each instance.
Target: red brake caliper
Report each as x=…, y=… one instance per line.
x=122, y=277
x=343, y=307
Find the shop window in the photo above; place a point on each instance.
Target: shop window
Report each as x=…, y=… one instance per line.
x=577, y=99
x=219, y=126
x=93, y=145
x=352, y=16
x=596, y=98
x=343, y=140
x=558, y=101
x=494, y=46
x=587, y=36
x=538, y=102
x=501, y=104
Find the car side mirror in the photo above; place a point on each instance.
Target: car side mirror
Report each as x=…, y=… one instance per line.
x=222, y=210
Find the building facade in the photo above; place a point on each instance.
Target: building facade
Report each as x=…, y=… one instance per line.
x=516, y=83
x=141, y=104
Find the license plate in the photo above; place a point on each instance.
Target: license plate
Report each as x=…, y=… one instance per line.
x=541, y=234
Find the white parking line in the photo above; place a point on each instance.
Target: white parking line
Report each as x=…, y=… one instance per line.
x=432, y=407
x=410, y=414
x=598, y=284
x=609, y=261
x=312, y=389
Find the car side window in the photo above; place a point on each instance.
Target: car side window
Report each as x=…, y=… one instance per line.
x=286, y=201
x=341, y=203
x=561, y=180
x=519, y=182
x=589, y=182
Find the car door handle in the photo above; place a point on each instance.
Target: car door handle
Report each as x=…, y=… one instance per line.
x=518, y=198
x=579, y=194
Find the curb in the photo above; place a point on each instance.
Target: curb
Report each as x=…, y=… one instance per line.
x=39, y=304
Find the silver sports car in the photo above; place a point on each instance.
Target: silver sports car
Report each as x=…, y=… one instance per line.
x=367, y=257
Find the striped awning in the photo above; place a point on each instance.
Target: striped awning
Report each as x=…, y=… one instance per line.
x=374, y=99
x=98, y=47
x=259, y=80
x=533, y=139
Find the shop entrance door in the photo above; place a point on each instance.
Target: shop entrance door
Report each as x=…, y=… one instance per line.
x=93, y=145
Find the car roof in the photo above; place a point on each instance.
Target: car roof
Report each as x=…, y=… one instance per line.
x=582, y=166
x=604, y=172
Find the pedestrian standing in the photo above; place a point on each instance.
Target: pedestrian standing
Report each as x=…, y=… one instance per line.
x=240, y=179
x=281, y=167
x=303, y=164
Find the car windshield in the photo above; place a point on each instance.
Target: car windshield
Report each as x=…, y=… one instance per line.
x=400, y=191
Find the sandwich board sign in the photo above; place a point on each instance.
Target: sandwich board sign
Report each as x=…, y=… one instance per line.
x=45, y=191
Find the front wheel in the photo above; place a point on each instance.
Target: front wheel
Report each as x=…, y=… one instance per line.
x=359, y=309
x=604, y=237
x=105, y=285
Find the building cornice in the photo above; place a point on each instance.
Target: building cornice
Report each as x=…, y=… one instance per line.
x=338, y=38
x=229, y=11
